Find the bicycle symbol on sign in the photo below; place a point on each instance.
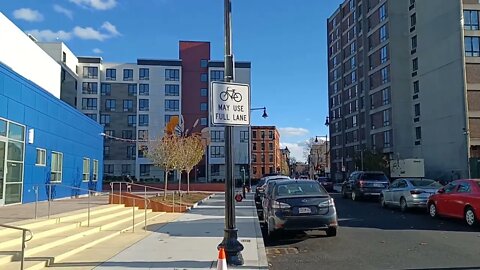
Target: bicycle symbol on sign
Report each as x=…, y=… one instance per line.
x=230, y=93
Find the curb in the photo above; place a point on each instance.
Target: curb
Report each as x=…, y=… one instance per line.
x=198, y=203
x=262, y=254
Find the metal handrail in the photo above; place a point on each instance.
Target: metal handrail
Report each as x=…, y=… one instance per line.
x=145, y=199
x=24, y=240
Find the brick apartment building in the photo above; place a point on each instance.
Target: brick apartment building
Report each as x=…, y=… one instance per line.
x=266, y=154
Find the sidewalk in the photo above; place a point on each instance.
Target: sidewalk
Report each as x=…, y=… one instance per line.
x=190, y=242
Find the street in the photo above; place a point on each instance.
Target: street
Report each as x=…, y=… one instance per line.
x=371, y=237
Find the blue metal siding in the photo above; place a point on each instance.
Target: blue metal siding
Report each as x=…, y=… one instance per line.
x=58, y=127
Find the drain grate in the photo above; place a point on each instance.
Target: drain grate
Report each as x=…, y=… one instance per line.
x=245, y=240
x=282, y=251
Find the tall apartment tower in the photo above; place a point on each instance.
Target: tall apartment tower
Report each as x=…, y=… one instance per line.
x=134, y=102
x=404, y=80
x=266, y=154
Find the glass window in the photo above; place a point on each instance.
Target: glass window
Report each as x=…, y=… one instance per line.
x=385, y=75
x=143, y=89
x=217, y=75
x=414, y=42
x=126, y=169
x=86, y=170
x=106, y=89
x=218, y=136
x=472, y=46
x=143, y=135
x=217, y=151
x=143, y=74
x=16, y=132
x=413, y=20
x=172, y=90
x=92, y=116
x=386, y=118
x=386, y=96
x=128, y=74
x=14, y=172
x=131, y=152
x=127, y=134
x=464, y=188
x=143, y=120
x=142, y=152
x=15, y=151
x=110, y=104
x=417, y=109
x=41, y=157
x=386, y=139
x=416, y=87
x=95, y=170
x=418, y=133
x=132, y=89
x=111, y=74
x=203, y=106
x=144, y=169
x=105, y=119
x=298, y=188
x=172, y=75
x=203, y=63
x=382, y=13
x=243, y=136
x=108, y=168
x=204, y=77
x=383, y=54
x=415, y=64
x=383, y=33
x=89, y=88
x=143, y=105
x=3, y=128
x=90, y=72
x=132, y=120
x=56, y=167
x=127, y=105
x=203, y=121
x=471, y=21
x=172, y=105
x=203, y=92
x=89, y=103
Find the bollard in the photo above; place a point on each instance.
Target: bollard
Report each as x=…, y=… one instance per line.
x=36, y=200
x=49, y=199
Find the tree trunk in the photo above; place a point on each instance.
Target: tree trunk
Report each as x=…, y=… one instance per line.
x=188, y=182
x=165, y=187
x=179, y=176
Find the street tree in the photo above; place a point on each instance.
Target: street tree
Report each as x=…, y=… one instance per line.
x=372, y=161
x=193, y=153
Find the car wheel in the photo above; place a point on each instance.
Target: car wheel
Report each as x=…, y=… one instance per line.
x=403, y=205
x=470, y=217
x=270, y=230
x=382, y=201
x=331, y=231
x=344, y=193
x=355, y=196
x=432, y=210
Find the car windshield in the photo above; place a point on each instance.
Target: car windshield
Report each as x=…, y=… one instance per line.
x=374, y=177
x=425, y=183
x=478, y=183
x=299, y=188
x=261, y=183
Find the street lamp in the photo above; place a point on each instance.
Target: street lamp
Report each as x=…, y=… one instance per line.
x=264, y=115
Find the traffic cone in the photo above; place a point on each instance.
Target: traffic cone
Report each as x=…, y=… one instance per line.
x=222, y=261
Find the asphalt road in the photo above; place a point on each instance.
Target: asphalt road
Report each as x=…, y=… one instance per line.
x=371, y=237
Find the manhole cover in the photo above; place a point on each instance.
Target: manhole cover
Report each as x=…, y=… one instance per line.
x=281, y=251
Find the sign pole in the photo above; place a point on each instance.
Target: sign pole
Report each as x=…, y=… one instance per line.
x=230, y=241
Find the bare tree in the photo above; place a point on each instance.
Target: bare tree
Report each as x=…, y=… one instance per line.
x=193, y=153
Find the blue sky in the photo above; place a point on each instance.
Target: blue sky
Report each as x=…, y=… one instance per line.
x=285, y=41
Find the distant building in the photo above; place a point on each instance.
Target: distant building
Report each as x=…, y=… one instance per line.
x=318, y=159
x=266, y=155
x=403, y=81
x=43, y=140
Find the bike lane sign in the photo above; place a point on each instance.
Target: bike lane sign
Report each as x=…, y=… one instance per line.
x=230, y=104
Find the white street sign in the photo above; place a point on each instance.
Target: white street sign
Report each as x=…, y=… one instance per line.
x=230, y=104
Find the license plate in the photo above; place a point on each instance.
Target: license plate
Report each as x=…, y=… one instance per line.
x=304, y=210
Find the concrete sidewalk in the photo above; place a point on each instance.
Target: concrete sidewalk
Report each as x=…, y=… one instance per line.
x=190, y=242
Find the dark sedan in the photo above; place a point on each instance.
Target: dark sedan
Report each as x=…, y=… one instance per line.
x=299, y=205
x=326, y=182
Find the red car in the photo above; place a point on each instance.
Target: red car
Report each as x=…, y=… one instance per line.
x=458, y=199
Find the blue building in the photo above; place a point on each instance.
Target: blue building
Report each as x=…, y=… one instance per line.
x=44, y=140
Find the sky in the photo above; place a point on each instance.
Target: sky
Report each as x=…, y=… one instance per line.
x=284, y=40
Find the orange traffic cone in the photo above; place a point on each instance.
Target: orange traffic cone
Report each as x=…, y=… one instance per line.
x=222, y=261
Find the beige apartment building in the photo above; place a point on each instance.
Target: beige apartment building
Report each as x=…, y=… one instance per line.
x=404, y=79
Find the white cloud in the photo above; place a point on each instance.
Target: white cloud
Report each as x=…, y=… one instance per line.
x=97, y=51
x=112, y=29
x=63, y=11
x=96, y=4
x=49, y=35
x=28, y=15
x=296, y=150
x=292, y=131
x=90, y=33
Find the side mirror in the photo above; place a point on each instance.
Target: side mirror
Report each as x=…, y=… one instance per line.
x=441, y=191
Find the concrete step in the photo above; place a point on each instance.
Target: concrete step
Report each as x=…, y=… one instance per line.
x=61, y=237
x=65, y=217
x=58, y=253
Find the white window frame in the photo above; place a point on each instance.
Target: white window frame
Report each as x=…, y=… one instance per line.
x=86, y=169
x=95, y=170
x=42, y=162
x=57, y=171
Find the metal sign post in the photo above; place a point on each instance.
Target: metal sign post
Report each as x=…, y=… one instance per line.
x=229, y=106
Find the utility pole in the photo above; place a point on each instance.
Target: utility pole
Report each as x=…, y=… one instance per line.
x=230, y=241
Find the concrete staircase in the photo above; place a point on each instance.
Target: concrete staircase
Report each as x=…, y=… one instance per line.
x=65, y=235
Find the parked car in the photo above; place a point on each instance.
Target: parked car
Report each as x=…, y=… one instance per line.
x=299, y=205
x=364, y=184
x=458, y=199
x=408, y=193
x=261, y=185
x=326, y=182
